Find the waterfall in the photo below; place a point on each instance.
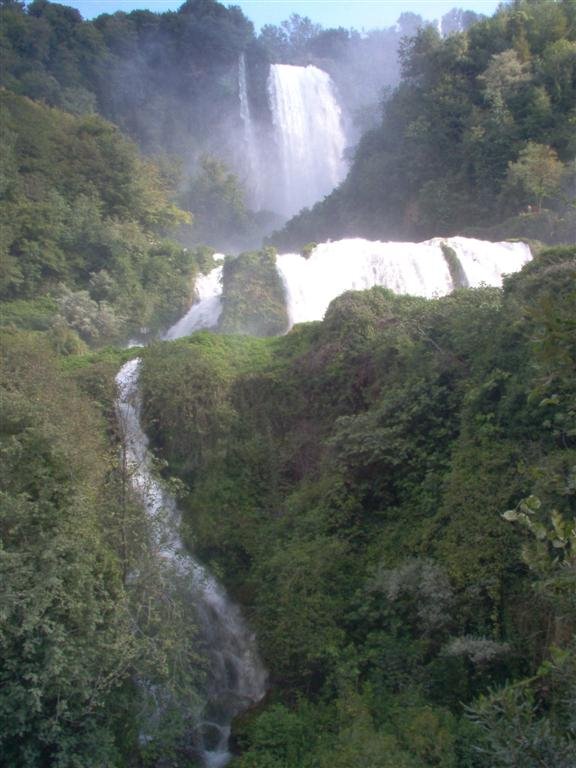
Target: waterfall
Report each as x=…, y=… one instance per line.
x=236, y=676
x=419, y=269
x=205, y=312
x=485, y=263
x=250, y=144
x=309, y=136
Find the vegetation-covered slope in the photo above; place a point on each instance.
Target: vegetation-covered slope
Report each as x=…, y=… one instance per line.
x=169, y=81
x=81, y=619
x=83, y=217
x=482, y=128
x=165, y=78
x=350, y=479
x=389, y=493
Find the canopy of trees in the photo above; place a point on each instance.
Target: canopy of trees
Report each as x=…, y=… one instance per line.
x=83, y=212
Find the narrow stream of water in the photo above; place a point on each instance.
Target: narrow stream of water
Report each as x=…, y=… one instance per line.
x=236, y=678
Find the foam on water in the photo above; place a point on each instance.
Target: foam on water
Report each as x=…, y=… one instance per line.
x=420, y=269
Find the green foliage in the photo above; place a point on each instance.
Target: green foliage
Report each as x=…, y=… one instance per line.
x=290, y=40
x=67, y=645
x=457, y=273
x=348, y=481
x=29, y=315
x=161, y=78
x=308, y=249
x=82, y=217
x=95, y=322
x=86, y=612
x=253, y=300
x=278, y=737
x=344, y=733
x=512, y=728
x=216, y=198
x=537, y=172
x=421, y=592
x=481, y=125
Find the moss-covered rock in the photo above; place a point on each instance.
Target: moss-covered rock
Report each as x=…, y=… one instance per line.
x=459, y=279
x=253, y=296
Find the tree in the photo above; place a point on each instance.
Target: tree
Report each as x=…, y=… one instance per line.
x=458, y=20
x=291, y=39
x=503, y=76
x=537, y=173
x=216, y=198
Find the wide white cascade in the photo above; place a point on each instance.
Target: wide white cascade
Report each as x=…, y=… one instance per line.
x=309, y=136
x=420, y=269
x=251, y=149
x=236, y=678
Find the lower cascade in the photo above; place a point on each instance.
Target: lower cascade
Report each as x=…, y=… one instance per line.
x=236, y=678
x=204, y=313
x=419, y=269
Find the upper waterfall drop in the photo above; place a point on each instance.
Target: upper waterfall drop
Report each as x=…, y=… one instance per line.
x=309, y=136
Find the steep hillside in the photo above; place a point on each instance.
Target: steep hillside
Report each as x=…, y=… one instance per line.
x=83, y=220
x=80, y=623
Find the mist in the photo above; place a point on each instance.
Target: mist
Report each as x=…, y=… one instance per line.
x=195, y=89
x=207, y=98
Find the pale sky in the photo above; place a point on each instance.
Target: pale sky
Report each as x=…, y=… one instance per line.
x=359, y=14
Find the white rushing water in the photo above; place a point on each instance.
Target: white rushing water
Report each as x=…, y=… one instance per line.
x=309, y=136
x=205, y=312
x=236, y=677
x=419, y=269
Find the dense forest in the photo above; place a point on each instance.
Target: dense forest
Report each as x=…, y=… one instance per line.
x=352, y=479
x=389, y=494
x=170, y=79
